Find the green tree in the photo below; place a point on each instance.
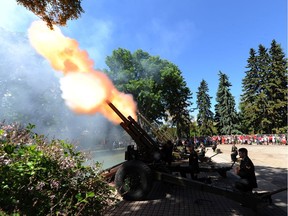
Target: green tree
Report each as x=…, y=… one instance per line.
x=254, y=100
x=137, y=74
x=250, y=88
x=157, y=86
x=263, y=103
x=176, y=97
x=226, y=118
x=54, y=12
x=194, y=129
x=205, y=115
x=277, y=89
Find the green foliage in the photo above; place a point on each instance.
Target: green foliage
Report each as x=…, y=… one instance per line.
x=226, y=118
x=264, y=100
x=205, y=115
x=54, y=12
x=157, y=86
x=41, y=178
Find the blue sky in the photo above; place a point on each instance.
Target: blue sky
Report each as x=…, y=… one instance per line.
x=201, y=37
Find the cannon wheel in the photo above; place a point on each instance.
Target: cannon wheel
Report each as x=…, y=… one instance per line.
x=133, y=180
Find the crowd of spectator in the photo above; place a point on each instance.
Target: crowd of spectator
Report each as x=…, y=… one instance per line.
x=259, y=139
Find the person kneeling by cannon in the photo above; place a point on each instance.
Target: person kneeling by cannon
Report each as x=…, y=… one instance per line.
x=246, y=172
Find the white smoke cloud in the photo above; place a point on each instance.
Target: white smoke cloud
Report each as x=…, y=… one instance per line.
x=15, y=17
x=30, y=93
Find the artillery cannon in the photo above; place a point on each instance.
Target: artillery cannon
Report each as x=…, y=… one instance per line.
x=144, y=164
x=134, y=178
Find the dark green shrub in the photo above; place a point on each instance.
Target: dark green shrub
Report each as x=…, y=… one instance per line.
x=38, y=177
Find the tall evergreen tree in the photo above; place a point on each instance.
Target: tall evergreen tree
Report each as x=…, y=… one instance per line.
x=262, y=121
x=205, y=115
x=264, y=100
x=250, y=88
x=225, y=113
x=277, y=89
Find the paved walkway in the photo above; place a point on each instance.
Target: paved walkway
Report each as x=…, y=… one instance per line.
x=167, y=199
x=271, y=166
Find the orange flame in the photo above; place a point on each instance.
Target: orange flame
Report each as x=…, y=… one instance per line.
x=84, y=89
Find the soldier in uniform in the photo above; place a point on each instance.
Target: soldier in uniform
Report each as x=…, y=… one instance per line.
x=193, y=162
x=246, y=172
x=167, y=152
x=234, y=153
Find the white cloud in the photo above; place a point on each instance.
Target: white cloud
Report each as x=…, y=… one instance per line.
x=15, y=17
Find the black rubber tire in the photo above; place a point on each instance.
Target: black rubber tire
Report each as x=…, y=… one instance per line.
x=133, y=180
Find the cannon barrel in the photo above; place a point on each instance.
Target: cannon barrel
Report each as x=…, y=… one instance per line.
x=123, y=118
x=147, y=148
